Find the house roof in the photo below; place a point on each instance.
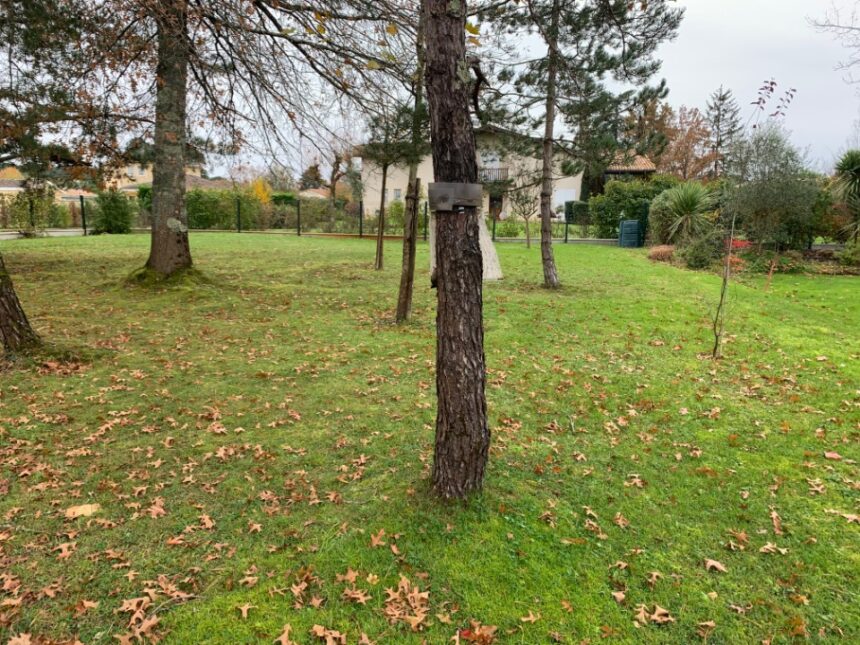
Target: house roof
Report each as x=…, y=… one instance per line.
x=315, y=193
x=191, y=182
x=12, y=184
x=11, y=172
x=626, y=165
x=75, y=193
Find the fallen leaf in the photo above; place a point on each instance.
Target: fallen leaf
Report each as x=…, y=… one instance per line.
x=714, y=565
x=84, y=510
x=284, y=638
x=704, y=629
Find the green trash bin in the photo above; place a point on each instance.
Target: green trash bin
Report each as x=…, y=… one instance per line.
x=629, y=233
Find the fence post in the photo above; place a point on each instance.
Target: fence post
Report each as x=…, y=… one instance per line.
x=565, y=230
x=361, y=218
x=238, y=215
x=426, y=221
x=494, y=228
x=299, y=217
x=83, y=214
x=32, y=214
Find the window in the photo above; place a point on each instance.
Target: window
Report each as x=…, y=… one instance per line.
x=140, y=171
x=397, y=193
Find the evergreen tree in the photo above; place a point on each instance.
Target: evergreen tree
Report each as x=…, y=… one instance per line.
x=392, y=142
x=591, y=48
x=724, y=119
x=311, y=177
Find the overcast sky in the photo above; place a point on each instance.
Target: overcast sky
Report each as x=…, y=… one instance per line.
x=740, y=43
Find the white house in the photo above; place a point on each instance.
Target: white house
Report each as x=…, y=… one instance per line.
x=496, y=168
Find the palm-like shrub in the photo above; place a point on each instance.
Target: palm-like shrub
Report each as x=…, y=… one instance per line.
x=689, y=205
x=847, y=187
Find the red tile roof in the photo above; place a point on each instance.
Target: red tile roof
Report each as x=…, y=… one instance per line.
x=624, y=164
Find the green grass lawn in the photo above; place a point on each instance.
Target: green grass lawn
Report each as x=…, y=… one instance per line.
x=248, y=438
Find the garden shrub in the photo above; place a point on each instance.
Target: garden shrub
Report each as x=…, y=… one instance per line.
x=112, y=213
x=776, y=201
x=850, y=256
x=623, y=199
x=577, y=213
x=34, y=210
x=702, y=252
x=509, y=227
x=395, y=215
x=284, y=198
x=760, y=261
x=217, y=209
x=659, y=219
x=661, y=253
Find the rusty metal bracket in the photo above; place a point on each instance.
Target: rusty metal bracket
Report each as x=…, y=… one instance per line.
x=448, y=196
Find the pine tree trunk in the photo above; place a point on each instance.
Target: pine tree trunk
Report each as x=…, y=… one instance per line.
x=410, y=226
x=380, y=223
x=550, y=273
x=15, y=330
x=462, y=433
x=170, y=251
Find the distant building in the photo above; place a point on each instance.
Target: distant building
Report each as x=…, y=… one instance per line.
x=631, y=165
x=314, y=193
x=133, y=176
x=498, y=170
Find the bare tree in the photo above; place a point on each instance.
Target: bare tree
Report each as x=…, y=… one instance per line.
x=845, y=26
x=525, y=200
x=263, y=67
x=413, y=191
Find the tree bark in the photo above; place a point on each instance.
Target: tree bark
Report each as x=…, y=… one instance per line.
x=15, y=330
x=462, y=434
x=410, y=226
x=380, y=223
x=335, y=175
x=550, y=273
x=170, y=251
x=410, y=243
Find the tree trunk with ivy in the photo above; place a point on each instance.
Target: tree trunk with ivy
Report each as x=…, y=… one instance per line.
x=170, y=251
x=15, y=330
x=462, y=433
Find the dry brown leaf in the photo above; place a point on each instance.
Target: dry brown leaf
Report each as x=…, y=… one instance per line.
x=21, y=639
x=284, y=638
x=776, y=520
x=715, y=565
x=661, y=616
x=704, y=629
x=84, y=510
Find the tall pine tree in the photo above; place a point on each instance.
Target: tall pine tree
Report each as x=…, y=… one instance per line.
x=590, y=48
x=724, y=119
